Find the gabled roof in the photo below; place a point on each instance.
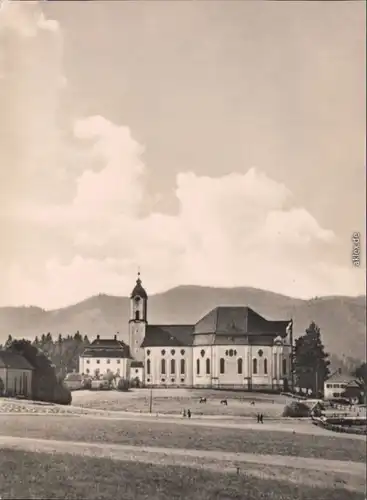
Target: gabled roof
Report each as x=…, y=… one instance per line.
x=107, y=348
x=108, y=343
x=341, y=378
x=168, y=335
x=237, y=320
x=13, y=360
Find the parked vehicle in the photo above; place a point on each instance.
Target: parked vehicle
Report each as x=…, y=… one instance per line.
x=101, y=385
x=74, y=381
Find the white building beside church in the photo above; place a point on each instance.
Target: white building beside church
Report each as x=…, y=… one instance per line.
x=232, y=347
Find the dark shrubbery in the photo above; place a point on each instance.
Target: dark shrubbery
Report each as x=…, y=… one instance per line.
x=62, y=395
x=296, y=409
x=45, y=384
x=123, y=385
x=87, y=384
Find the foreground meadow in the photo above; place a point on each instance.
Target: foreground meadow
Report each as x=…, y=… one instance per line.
x=100, y=449
x=25, y=475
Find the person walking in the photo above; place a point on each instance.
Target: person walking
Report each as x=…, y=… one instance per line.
x=261, y=418
x=189, y=413
x=184, y=413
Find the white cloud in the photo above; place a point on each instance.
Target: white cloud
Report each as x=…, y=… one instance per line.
x=71, y=232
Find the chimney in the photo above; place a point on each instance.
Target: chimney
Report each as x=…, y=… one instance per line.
x=97, y=337
x=115, y=337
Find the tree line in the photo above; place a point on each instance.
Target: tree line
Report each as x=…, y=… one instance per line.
x=62, y=351
x=311, y=363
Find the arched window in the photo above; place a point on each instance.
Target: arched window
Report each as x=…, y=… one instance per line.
x=137, y=315
x=148, y=367
x=163, y=366
x=284, y=367
x=173, y=366
x=207, y=366
x=182, y=367
x=265, y=366
x=221, y=365
x=198, y=366
x=239, y=366
x=254, y=366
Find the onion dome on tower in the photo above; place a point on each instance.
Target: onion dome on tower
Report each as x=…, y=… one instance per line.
x=139, y=290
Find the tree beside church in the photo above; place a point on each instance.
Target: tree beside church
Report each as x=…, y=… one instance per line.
x=311, y=363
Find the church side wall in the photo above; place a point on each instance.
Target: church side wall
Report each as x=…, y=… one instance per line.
x=176, y=369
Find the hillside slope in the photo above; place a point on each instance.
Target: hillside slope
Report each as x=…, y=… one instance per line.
x=341, y=319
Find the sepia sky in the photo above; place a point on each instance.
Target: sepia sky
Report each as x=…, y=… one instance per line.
x=211, y=143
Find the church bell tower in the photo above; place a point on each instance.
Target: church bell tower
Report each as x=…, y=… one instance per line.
x=138, y=320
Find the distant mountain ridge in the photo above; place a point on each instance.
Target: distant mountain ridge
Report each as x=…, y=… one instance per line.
x=342, y=319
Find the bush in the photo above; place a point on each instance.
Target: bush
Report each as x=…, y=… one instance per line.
x=296, y=409
x=136, y=383
x=62, y=395
x=87, y=384
x=123, y=385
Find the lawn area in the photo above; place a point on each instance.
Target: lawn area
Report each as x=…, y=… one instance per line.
x=174, y=401
x=170, y=435
x=25, y=475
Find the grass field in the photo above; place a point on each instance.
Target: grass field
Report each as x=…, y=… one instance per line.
x=174, y=401
x=169, y=435
x=213, y=456
x=26, y=475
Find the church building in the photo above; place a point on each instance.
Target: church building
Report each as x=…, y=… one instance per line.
x=231, y=346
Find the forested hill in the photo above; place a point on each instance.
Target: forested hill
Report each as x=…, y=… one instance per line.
x=341, y=319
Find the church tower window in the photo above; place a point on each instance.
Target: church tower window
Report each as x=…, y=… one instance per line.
x=148, y=367
x=137, y=315
x=221, y=365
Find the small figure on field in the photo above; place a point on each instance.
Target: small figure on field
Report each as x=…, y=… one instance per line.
x=252, y=403
x=189, y=413
x=258, y=418
x=224, y=402
x=261, y=417
x=184, y=413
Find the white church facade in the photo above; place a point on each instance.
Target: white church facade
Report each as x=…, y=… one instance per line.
x=230, y=347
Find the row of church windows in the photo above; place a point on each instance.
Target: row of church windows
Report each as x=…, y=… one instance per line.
x=255, y=366
x=172, y=367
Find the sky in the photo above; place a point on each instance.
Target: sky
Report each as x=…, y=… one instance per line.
x=206, y=143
